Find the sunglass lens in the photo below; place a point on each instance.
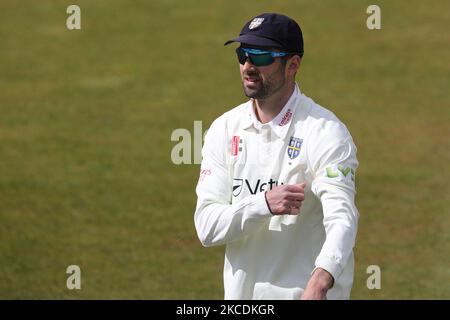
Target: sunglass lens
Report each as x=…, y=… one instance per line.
x=242, y=57
x=260, y=60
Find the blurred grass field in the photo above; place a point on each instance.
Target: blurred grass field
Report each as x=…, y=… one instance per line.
x=86, y=117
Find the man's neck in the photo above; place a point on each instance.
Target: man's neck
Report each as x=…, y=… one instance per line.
x=267, y=109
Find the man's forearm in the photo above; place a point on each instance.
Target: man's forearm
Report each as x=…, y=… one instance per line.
x=318, y=285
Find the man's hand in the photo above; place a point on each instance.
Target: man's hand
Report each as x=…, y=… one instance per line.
x=286, y=199
x=317, y=287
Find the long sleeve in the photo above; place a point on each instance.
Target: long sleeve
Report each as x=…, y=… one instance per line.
x=334, y=164
x=217, y=221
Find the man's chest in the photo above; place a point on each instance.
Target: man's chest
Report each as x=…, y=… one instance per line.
x=261, y=160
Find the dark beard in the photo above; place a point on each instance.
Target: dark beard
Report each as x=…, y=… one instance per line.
x=259, y=94
x=266, y=89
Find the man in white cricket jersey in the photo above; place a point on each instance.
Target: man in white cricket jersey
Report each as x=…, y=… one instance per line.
x=277, y=180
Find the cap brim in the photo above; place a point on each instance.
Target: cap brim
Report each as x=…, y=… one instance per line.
x=254, y=41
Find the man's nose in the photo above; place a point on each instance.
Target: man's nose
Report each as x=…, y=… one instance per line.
x=248, y=65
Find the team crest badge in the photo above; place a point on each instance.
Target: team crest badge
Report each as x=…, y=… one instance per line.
x=295, y=145
x=255, y=23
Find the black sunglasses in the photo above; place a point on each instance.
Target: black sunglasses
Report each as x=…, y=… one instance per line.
x=258, y=57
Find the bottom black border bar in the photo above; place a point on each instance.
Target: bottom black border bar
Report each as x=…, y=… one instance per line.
x=216, y=309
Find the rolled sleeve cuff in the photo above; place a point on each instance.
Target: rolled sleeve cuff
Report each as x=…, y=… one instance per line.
x=259, y=207
x=330, y=265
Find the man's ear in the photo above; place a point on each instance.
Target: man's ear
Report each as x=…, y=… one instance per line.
x=293, y=65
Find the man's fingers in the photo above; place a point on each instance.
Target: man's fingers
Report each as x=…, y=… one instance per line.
x=294, y=203
x=297, y=196
x=299, y=187
x=286, y=199
x=294, y=211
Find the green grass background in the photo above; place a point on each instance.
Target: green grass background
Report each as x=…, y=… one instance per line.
x=86, y=117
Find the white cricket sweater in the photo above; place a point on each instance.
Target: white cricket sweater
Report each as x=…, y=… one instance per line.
x=267, y=256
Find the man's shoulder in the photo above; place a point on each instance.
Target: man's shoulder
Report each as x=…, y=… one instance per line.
x=317, y=113
x=231, y=118
x=320, y=119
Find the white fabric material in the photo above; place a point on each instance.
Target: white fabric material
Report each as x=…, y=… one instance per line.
x=272, y=257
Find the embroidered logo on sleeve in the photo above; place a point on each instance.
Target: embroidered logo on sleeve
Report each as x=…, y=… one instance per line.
x=295, y=145
x=204, y=173
x=336, y=171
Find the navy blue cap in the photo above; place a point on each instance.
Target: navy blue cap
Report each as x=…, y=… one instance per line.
x=272, y=30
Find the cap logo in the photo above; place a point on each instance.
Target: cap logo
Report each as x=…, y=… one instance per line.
x=255, y=23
